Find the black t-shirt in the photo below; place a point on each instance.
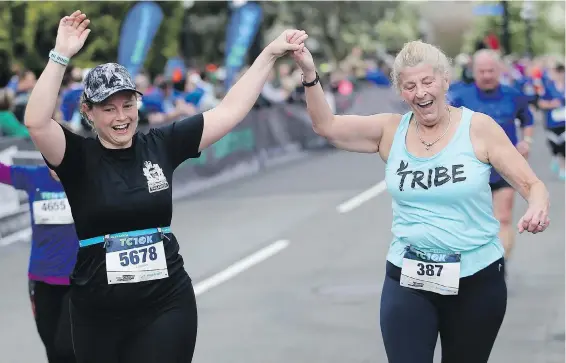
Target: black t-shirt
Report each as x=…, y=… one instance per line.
x=109, y=192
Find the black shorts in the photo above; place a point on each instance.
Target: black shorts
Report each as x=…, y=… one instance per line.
x=555, y=138
x=50, y=306
x=468, y=323
x=163, y=334
x=500, y=184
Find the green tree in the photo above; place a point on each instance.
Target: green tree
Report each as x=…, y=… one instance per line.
x=547, y=33
x=398, y=26
x=31, y=27
x=338, y=26
x=206, y=24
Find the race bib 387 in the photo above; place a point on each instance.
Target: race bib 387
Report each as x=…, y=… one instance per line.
x=435, y=272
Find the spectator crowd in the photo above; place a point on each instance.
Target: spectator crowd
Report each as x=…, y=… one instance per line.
x=184, y=91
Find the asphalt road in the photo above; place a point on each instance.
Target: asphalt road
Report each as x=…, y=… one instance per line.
x=284, y=274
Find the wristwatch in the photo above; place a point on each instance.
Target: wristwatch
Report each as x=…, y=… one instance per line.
x=310, y=84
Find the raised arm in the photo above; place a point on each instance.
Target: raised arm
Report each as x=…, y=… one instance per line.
x=5, y=174
x=242, y=96
x=18, y=176
x=45, y=132
x=348, y=132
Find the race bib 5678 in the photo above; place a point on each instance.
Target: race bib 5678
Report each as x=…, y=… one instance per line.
x=135, y=258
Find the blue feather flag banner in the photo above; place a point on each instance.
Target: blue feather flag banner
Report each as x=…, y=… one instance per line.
x=137, y=33
x=240, y=33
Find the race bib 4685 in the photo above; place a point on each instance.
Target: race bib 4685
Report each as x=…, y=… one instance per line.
x=51, y=208
x=135, y=258
x=435, y=272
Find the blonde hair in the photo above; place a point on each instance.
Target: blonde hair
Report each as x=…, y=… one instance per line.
x=418, y=52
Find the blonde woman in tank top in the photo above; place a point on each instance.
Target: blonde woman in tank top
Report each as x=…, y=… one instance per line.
x=445, y=266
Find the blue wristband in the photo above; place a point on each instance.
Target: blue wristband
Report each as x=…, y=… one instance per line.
x=58, y=58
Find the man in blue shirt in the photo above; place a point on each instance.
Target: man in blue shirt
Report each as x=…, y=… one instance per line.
x=505, y=105
x=552, y=102
x=53, y=255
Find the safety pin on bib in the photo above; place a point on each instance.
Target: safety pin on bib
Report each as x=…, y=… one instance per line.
x=106, y=238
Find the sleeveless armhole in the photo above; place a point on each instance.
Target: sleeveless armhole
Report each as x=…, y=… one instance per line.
x=467, y=122
x=466, y=137
x=400, y=133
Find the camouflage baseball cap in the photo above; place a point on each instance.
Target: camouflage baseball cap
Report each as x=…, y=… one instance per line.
x=106, y=79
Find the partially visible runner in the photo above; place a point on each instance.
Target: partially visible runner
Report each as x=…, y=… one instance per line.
x=445, y=266
x=9, y=124
x=552, y=103
x=504, y=104
x=525, y=85
x=132, y=300
x=54, y=246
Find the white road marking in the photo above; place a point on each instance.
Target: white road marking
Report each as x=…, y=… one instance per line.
x=28, y=154
x=361, y=198
x=240, y=266
x=23, y=235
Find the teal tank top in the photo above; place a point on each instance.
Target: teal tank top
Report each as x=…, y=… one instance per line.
x=442, y=203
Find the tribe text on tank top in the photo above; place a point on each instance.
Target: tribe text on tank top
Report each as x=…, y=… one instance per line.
x=442, y=203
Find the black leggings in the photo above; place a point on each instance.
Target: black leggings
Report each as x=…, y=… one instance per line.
x=50, y=305
x=556, y=142
x=169, y=336
x=468, y=323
